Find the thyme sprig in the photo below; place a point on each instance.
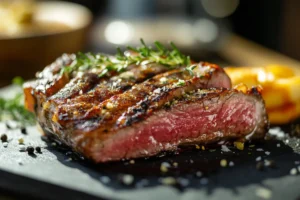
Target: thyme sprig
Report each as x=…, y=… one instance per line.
x=141, y=55
x=13, y=108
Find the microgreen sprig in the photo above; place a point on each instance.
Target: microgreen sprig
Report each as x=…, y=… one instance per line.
x=141, y=55
x=13, y=108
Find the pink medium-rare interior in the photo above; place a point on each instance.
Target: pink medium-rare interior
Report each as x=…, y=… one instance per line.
x=184, y=123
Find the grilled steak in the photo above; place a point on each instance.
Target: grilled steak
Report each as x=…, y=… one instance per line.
x=143, y=109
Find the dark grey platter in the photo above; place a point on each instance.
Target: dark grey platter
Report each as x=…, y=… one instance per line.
x=57, y=173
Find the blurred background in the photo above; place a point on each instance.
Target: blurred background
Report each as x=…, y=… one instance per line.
x=228, y=32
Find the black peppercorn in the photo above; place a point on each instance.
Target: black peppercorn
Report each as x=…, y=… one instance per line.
x=4, y=138
x=30, y=150
x=38, y=149
x=23, y=130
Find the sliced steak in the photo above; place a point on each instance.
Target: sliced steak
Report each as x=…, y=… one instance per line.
x=146, y=109
x=202, y=116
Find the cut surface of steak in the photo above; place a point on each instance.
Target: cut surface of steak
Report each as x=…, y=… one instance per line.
x=143, y=110
x=202, y=116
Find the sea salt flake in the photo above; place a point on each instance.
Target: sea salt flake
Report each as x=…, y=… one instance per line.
x=258, y=158
x=199, y=174
x=132, y=162
x=267, y=163
x=278, y=145
x=22, y=148
x=277, y=132
x=127, y=179
x=225, y=148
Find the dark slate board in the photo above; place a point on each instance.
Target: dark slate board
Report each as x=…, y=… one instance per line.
x=52, y=175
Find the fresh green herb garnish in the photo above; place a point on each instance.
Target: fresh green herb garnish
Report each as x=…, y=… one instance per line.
x=13, y=108
x=190, y=69
x=18, y=81
x=141, y=55
x=180, y=82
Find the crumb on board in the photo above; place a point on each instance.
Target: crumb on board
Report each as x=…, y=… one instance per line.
x=127, y=179
x=21, y=140
x=239, y=145
x=223, y=163
x=168, y=181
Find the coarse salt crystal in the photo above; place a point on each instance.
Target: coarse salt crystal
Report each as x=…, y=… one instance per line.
x=131, y=161
x=225, y=148
x=258, y=158
x=278, y=145
x=223, y=162
x=267, y=153
x=199, y=173
x=127, y=179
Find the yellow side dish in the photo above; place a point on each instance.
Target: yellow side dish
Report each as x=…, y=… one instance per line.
x=15, y=14
x=281, y=89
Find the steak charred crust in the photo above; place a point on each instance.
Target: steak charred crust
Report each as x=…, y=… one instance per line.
x=93, y=114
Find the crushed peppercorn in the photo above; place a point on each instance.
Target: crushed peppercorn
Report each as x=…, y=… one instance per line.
x=38, y=149
x=3, y=137
x=30, y=150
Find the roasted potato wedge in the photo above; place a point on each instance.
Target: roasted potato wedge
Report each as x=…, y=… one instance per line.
x=281, y=89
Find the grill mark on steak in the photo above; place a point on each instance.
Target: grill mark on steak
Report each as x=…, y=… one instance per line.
x=121, y=102
x=118, y=84
x=76, y=125
x=92, y=109
x=156, y=100
x=76, y=86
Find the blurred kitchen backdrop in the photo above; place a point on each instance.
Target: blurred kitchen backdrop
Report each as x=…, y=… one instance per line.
x=34, y=33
